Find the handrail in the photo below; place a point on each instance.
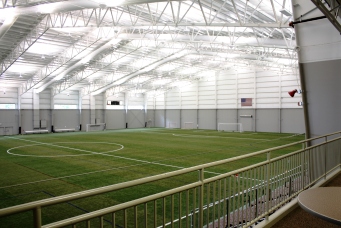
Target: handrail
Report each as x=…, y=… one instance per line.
x=37, y=205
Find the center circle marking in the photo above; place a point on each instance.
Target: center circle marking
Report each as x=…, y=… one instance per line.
x=74, y=155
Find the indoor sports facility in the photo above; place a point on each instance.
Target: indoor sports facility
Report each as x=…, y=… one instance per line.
x=166, y=113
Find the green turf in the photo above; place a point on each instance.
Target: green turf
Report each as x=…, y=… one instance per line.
x=41, y=166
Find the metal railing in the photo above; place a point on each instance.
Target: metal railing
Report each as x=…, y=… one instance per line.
x=238, y=198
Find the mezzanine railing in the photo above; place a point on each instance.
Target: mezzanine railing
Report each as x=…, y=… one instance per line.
x=239, y=198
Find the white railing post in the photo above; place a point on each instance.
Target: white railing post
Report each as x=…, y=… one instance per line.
x=37, y=217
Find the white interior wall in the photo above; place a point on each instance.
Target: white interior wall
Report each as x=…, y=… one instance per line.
x=267, y=88
x=217, y=96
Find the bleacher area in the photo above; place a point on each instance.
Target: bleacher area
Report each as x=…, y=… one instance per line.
x=41, y=166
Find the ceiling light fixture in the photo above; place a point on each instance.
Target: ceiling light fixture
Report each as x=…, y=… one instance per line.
x=285, y=12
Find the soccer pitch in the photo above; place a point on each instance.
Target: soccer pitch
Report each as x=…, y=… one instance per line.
x=41, y=166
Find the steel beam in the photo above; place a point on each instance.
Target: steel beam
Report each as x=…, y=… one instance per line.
x=333, y=18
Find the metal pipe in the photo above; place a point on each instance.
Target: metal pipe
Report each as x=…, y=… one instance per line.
x=292, y=23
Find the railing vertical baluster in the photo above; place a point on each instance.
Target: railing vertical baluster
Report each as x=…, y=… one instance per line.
x=267, y=200
x=201, y=199
x=243, y=193
x=125, y=221
x=302, y=170
x=213, y=200
x=101, y=222
x=208, y=186
x=145, y=215
x=187, y=208
x=225, y=212
x=172, y=210
x=180, y=209
x=164, y=211
x=135, y=216
x=238, y=199
x=219, y=204
x=155, y=213
x=37, y=217
x=113, y=220
x=325, y=159
x=233, y=198
x=194, y=207
x=88, y=224
x=229, y=200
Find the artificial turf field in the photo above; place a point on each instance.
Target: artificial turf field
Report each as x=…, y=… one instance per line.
x=41, y=166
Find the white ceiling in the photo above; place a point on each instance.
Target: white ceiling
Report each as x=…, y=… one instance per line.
x=138, y=46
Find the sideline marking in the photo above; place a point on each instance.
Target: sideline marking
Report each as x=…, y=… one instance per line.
x=207, y=136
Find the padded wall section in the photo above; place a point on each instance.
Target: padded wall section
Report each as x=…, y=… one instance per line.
x=85, y=118
x=100, y=116
x=227, y=116
x=150, y=118
x=207, y=119
x=66, y=119
x=135, y=118
x=268, y=120
x=45, y=118
x=115, y=119
x=173, y=118
x=9, y=123
x=292, y=121
x=189, y=115
x=26, y=120
x=323, y=94
x=160, y=118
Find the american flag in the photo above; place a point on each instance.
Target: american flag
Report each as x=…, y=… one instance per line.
x=246, y=101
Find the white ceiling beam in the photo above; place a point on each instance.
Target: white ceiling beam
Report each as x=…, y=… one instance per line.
x=24, y=45
x=145, y=69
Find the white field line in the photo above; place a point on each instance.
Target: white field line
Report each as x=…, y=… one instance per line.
x=208, y=136
x=57, y=178
x=203, y=136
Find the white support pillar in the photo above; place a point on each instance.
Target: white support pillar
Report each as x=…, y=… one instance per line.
x=52, y=109
x=255, y=100
x=237, y=97
x=92, y=109
x=145, y=105
x=19, y=109
x=126, y=100
x=36, y=110
x=197, y=94
x=80, y=108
